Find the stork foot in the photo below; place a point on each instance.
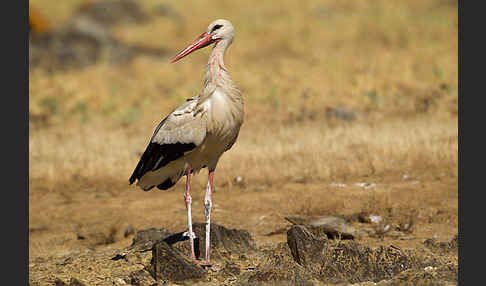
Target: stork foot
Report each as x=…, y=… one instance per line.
x=207, y=265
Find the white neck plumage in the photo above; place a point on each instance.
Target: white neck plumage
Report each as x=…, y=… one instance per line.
x=226, y=98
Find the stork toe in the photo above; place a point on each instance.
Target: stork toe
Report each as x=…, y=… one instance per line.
x=207, y=265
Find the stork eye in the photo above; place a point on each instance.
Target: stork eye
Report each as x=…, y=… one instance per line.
x=216, y=27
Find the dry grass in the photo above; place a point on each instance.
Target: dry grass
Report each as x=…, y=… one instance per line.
x=394, y=63
x=338, y=54
x=264, y=154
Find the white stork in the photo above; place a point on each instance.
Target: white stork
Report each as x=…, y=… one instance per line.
x=197, y=133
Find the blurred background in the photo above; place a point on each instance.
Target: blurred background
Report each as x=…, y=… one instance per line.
x=336, y=93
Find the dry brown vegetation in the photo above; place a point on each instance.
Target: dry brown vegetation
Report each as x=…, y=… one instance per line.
x=393, y=64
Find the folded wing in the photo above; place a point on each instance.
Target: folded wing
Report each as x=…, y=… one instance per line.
x=178, y=134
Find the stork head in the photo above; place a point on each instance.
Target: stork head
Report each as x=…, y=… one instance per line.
x=218, y=30
x=221, y=30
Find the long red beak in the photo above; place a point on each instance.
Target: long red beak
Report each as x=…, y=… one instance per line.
x=202, y=41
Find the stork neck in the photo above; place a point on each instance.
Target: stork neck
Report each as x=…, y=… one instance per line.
x=216, y=72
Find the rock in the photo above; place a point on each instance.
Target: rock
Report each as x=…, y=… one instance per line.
x=305, y=247
x=144, y=240
x=150, y=235
x=442, y=247
x=365, y=185
x=335, y=227
x=330, y=225
x=340, y=113
x=169, y=264
x=239, y=180
x=93, y=237
x=375, y=218
x=223, y=240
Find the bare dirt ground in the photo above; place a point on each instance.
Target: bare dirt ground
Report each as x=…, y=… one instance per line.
x=96, y=220
x=429, y=201
x=350, y=111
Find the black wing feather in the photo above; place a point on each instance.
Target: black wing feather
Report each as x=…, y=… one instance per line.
x=158, y=155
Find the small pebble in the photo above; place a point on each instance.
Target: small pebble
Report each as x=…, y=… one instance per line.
x=337, y=185
x=375, y=218
x=238, y=179
x=429, y=268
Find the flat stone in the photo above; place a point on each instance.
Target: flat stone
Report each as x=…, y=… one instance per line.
x=150, y=235
x=331, y=226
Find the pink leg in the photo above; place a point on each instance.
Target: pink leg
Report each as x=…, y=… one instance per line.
x=207, y=206
x=188, y=200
